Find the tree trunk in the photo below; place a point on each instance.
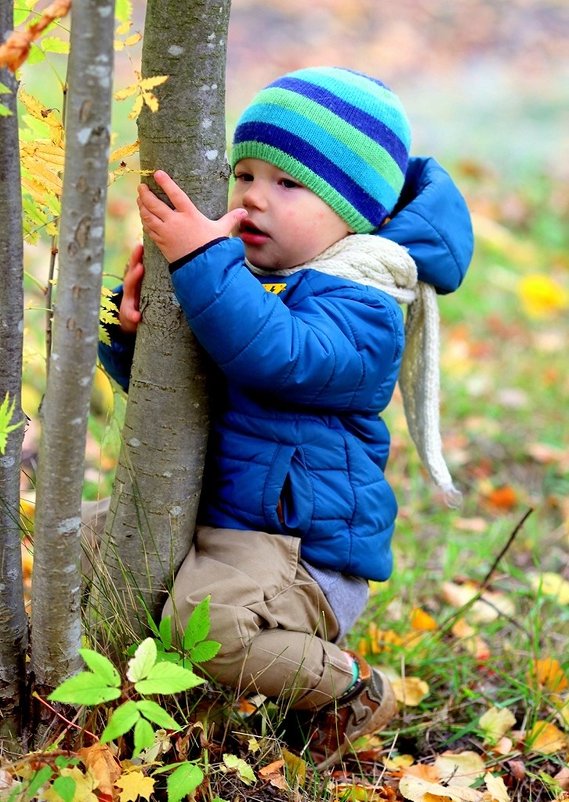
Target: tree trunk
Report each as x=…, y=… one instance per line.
x=13, y=620
x=156, y=492
x=56, y=585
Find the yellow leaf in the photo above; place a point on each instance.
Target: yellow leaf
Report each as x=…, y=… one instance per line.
x=296, y=767
x=550, y=675
x=460, y=768
x=50, y=117
x=551, y=584
x=150, y=100
x=132, y=40
x=85, y=784
x=123, y=152
x=134, y=784
x=542, y=296
x=487, y=608
x=546, y=738
x=103, y=764
x=422, y=621
x=497, y=788
x=495, y=723
x=150, y=83
x=398, y=762
x=122, y=94
x=410, y=691
x=417, y=790
x=136, y=109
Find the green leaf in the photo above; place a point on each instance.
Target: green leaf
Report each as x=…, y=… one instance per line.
x=156, y=714
x=166, y=632
x=168, y=678
x=123, y=10
x=183, y=781
x=65, y=788
x=244, y=770
x=144, y=659
x=5, y=90
x=204, y=651
x=36, y=55
x=85, y=688
x=149, y=620
x=5, y=111
x=101, y=666
x=39, y=779
x=53, y=44
x=198, y=624
x=121, y=721
x=143, y=736
x=6, y=418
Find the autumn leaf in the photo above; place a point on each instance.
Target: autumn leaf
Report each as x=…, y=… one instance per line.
x=496, y=722
x=16, y=48
x=549, y=675
x=410, y=691
x=551, y=584
x=422, y=621
x=103, y=765
x=462, y=768
x=240, y=767
x=496, y=788
x=418, y=790
x=546, y=738
x=474, y=644
x=6, y=417
x=134, y=784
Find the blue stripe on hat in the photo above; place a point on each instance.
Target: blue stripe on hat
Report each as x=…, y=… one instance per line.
x=354, y=115
x=306, y=154
x=360, y=171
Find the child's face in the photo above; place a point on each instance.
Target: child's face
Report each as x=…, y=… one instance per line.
x=287, y=224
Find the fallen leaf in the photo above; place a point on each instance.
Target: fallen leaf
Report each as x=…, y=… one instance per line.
x=497, y=788
x=487, y=608
x=472, y=642
x=104, y=765
x=418, y=790
x=422, y=621
x=550, y=675
x=551, y=584
x=542, y=296
x=274, y=774
x=240, y=767
x=562, y=778
x=410, y=691
x=460, y=768
x=398, y=762
x=496, y=722
x=517, y=769
x=503, y=498
x=134, y=784
x=295, y=766
x=546, y=738
x=504, y=746
x=424, y=771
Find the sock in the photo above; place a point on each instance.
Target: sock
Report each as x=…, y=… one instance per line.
x=355, y=674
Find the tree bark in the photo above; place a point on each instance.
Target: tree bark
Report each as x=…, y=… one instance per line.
x=13, y=620
x=56, y=583
x=155, y=498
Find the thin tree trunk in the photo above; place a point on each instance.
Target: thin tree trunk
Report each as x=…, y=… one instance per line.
x=13, y=620
x=156, y=492
x=56, y=585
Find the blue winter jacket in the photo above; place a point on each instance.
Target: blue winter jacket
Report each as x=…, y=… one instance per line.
x=303, y=367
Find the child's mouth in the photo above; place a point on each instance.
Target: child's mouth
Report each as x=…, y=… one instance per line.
x=251, y=235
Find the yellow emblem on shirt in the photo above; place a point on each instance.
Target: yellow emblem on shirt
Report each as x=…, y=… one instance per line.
x=275, y=288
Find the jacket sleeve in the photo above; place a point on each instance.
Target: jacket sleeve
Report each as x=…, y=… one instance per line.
x=432, y=221
x=333, y=349
x=117, y=357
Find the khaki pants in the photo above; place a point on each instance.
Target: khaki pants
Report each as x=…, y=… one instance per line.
x=274, y=623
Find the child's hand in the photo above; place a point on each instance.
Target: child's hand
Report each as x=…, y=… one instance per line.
x=129, y=312
x=183, y=229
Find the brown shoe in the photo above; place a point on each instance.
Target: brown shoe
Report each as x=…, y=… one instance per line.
x=366, y=708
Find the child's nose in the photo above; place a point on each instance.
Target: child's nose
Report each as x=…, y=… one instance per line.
x=254, y=196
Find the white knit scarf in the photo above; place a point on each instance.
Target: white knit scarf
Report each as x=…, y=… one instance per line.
x=376, y=261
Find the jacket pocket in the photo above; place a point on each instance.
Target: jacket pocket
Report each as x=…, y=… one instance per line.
x=289, y=496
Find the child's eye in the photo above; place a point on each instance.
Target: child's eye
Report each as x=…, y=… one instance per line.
x=288, y=183
x=243, y=177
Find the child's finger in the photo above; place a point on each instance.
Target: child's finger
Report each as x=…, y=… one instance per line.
x=150, y=204
x=177, y=196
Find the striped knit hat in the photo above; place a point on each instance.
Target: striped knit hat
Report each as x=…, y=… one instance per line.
x=342, y=134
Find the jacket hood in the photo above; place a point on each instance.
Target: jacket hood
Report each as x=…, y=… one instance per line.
x=432, y=221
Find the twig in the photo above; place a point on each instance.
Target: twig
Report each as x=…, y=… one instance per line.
x=517, y=528
x=62, y=717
